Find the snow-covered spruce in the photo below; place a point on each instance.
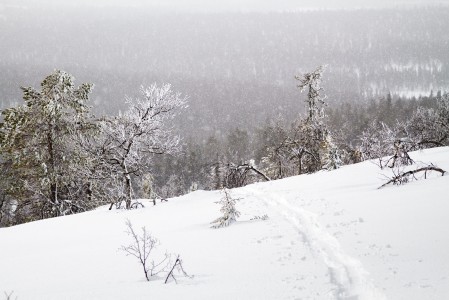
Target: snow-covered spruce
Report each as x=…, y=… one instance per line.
x=230, y=213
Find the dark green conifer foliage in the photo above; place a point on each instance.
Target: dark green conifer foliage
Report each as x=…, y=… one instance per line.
x=38, y=141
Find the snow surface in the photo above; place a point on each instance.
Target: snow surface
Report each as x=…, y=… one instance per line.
x=330, y=235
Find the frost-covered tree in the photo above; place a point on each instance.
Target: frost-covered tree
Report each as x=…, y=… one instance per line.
x=146, y=186
x=308, y=146
x=388, y=146
x=276, y=160
x=376, y=141
x=173, y=187
x=230, y=213
x=429, y=127
x=330, y=155
x=315, y=94
x=131, y=139
x=313, y=137
x=38, y=140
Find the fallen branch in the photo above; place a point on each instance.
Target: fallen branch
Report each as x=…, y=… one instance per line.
x=257, y=171
x=403, y=177
x=177, y=266
x=9, y=296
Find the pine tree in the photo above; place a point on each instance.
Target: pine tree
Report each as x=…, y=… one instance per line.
x=39, y=141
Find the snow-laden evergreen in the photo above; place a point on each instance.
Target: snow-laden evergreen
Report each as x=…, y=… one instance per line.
x=45, y=171
x=228, y=209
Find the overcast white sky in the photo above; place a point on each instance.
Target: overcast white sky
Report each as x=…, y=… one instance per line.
x=239, y=5
x=285, y=4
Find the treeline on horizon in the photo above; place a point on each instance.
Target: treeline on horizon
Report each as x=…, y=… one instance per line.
x=238, y=69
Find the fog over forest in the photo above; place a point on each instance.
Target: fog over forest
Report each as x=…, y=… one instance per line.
x=224, y=149
x=236, y=60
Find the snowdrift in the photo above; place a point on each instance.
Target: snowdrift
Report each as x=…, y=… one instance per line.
x=330, y=235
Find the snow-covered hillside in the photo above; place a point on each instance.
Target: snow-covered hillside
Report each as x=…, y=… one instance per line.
x=330, y=235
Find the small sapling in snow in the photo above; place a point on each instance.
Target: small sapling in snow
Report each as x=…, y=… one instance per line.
x=230, y=213
x=141, y=248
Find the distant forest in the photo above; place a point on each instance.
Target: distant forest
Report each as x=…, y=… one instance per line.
x=237, y=68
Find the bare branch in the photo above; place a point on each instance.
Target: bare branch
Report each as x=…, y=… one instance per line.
x=404, y=177
x=177, y=266
x=141, y=248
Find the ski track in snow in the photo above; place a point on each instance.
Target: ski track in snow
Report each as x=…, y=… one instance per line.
x=346, y=273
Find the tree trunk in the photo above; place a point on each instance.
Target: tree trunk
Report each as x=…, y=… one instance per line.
x=54, y=193
x=128, y=191
x=128, y=186
x=52, y=170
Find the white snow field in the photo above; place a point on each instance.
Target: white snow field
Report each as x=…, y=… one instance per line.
x=330, y=235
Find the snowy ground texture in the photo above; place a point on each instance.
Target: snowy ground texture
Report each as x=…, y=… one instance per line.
x=330, y=235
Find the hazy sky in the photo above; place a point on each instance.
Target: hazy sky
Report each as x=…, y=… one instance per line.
x=237, y=5
x=284, y=4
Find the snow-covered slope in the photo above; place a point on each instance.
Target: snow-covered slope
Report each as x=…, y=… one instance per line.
x=330, y=235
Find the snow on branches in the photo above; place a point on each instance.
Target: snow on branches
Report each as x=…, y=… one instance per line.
x=131, y=139
x=142, y=248
x=43, y=165
x=230, y=213
x=315, y=94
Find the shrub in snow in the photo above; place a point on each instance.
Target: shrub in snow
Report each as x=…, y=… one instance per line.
x=230, y=213
x=141, y=248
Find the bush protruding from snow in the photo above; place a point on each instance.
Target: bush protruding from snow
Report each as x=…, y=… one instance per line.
x=141, y=248
x=230, y=213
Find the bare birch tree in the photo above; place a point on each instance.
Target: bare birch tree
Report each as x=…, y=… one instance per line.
x=130, y=140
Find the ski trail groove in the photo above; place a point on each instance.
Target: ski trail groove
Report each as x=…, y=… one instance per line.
x=346, y=273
